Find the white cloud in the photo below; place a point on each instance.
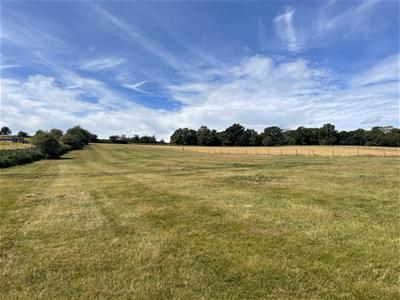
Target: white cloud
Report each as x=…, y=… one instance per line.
x=286, y=30
x=386, y=70
x=257, y=92
x=136, y=86
x=102, y=63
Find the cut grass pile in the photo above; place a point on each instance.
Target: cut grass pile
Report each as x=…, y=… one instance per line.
x=125, y=221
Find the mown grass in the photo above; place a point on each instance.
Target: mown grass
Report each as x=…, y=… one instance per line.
x=11, y=146
x=125, y=221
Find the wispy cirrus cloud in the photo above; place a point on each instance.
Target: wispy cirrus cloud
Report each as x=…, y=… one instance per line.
x=287, y=31
x=319, y=27
x=136, y=86
x=102, y=63
x=385, y=71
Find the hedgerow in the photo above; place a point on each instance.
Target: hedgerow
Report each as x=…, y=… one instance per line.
x=9, y=158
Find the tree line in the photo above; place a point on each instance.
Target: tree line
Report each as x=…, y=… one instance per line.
x=136, y=139
x=238, y=135
x=47, y=144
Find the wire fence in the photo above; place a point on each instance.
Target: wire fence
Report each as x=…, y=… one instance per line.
x=294, y=150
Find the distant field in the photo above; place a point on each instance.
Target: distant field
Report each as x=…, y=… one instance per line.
x=139, y=222
x=10, y=146
x=295, y=150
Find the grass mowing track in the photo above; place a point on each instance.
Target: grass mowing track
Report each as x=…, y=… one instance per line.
x=126, y=221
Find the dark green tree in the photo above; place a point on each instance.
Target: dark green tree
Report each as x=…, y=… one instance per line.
x=272, y=136
x=327, y=135
x=57, y=133
x=48, y=144
x=5, y=131
x=22, y=134
x=207, y=137
x=184, y=136
x=231, y=135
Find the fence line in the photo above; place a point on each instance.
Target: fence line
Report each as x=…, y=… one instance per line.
x=331, y=151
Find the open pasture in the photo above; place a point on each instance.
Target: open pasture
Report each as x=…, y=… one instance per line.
x=138, y=222
x=295, y=150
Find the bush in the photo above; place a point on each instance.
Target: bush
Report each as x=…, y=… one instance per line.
x=9, y=158
x=48, y=144
x=77, y=137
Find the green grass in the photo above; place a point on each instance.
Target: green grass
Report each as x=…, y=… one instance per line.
x=125, y=221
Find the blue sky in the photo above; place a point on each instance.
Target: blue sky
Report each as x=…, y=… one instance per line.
x=151, y=67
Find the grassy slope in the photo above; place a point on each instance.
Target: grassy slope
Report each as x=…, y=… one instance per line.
x=129, y=221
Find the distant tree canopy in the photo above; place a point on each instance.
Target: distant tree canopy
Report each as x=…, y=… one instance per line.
x=184, y=136
x=5, y=131
x=76, y=137
x=123, y=139
x=237, y=135
x=22, y=134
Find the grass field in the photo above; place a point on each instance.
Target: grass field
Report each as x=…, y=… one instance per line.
x=295, y=150
x=11, y=146
x=125, y=221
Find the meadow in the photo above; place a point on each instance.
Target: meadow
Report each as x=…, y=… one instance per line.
x=141, y=222
x=295, y=150
x=12, y=146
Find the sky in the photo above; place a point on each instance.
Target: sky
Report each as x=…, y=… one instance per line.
x=151, y=67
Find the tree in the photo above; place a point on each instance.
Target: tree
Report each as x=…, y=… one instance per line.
x=207, y=137
x=327, y=135
x=231, y=135
x=184, y=136
x=147, y=139
x=5, y=131
x=135, y=139
x=355, y=137
x=22, y=134
x=114, y=139
x=48, y=144
x=76, y=137
x=272, y=136
x=57, y=133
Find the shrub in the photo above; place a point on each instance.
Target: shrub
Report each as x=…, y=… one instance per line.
x=48, y=144
x=9, y=158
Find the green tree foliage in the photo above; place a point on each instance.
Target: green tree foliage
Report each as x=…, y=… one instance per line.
x=234, y=136
x=5, y=131
x=207, y=137
x=302, y=136
x=22, y=134
x=383, y=136
x=9, y=158
x=327, y=135
x=184, y=136
x=57, y=133
x=147, y=139
x=237, y=135
x=76, y=137
x=48, y=144
x=272, y=136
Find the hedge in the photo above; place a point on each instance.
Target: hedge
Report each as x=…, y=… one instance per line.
x=9, y=158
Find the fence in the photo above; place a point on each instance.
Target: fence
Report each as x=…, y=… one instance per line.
x=294, y=150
